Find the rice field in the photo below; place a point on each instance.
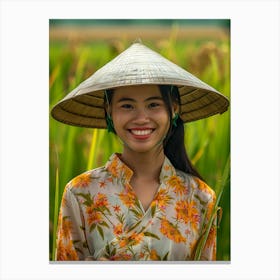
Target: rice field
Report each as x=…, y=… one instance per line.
x=73, y=150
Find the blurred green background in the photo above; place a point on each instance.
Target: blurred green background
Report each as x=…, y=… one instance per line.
x=77, y=48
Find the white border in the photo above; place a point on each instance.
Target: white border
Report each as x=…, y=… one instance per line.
x=255, y=138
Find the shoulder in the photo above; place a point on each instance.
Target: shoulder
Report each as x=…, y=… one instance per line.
x=197, y=187
x=88, y=179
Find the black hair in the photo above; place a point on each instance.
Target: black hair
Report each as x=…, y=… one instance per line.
x=173, y=144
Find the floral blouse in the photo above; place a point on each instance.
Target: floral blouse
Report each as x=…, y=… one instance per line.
x=101, y=217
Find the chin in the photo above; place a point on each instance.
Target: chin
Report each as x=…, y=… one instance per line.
x=142, y=149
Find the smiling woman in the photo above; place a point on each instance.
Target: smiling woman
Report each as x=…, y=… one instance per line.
x=148, y=202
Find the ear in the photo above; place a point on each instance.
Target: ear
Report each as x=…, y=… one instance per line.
x=175, y=108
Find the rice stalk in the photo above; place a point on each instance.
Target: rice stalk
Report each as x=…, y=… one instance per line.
x=56, y=209
x=221, y=186
x=200, y=152
x=93, y=147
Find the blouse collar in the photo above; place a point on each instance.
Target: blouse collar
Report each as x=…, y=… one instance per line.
x=120, y=170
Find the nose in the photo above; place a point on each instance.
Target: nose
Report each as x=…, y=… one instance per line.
x=141, y=116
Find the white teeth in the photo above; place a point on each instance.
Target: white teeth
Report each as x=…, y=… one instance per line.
x=141, y=132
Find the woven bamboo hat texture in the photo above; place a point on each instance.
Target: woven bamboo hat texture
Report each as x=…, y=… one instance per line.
x=137, y=65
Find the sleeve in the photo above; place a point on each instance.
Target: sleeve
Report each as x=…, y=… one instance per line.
x=71, y=240
x=209, y=250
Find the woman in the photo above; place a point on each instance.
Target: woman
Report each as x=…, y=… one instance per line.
x=147, y=203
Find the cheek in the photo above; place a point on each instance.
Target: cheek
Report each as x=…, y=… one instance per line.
x=163, y=120
x=118, y=119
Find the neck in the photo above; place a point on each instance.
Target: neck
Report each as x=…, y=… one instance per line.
x=144, y=165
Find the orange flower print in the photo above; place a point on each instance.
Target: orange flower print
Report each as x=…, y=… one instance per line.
x=154, y=256
x=66, y=227
x=161, y=199
x=117, y=208
x=142, y=255
x=136, y=238
x=127, y=198
x=66, y=251
x=132, y=240
x=123, y=242
x=171, y=231
x=81, y=181
x=166, y=168
x=93, y=216
x=122, y=257
x=177, y=185
x=126, y=172
x=182, y=211
x=118, y=229
x=203, y=186
x=113, y=168
x=101, y=200
x=110, y=179
x=188, y=212
x=102, y=184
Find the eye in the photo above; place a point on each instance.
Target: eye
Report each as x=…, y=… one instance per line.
x=154, y=105
x=127, y=106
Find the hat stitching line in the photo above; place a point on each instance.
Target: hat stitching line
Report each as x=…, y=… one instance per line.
x=199, y=108
x=194, y=100
x=200, y=118
x=86, y=104
x=94, y=96
x=99, y=126
x=77, y=114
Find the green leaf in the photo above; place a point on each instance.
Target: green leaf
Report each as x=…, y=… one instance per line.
x=165, y=257
x=104, y=224
x=107, y=248
x=153, y=210
x=151, y=235
x=134, y=226
x=120, y=218
x=88, y=200
x=100, y=230
x=114, y=252
x=92, y=227
x=136, y=213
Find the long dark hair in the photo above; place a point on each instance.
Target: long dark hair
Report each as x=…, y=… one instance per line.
x=173, y=144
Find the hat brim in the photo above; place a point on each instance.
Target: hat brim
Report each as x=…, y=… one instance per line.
x=138, y=65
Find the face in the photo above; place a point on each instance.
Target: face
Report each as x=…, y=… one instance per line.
x=140, y=117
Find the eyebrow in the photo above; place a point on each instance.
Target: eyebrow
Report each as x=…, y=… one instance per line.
x=133, y=100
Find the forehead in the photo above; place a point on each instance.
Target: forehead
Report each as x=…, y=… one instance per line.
x=138, y=93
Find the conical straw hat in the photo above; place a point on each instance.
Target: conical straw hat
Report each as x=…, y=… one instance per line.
x=137, y=65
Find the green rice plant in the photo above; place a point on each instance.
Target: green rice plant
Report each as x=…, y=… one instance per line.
x=56, y=212
x=92, y=150
x=222, y=183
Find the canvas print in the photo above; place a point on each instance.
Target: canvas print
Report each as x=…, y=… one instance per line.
x=139, y=140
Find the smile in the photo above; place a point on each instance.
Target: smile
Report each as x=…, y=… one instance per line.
x=141, y=132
